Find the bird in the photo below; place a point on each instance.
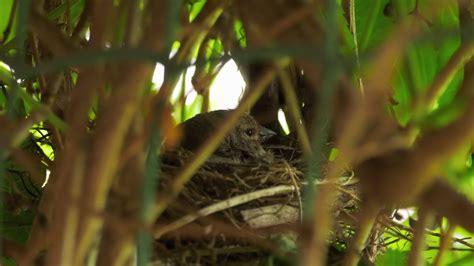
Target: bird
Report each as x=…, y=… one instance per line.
x=241, y=145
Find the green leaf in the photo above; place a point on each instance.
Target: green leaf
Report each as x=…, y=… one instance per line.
x=393, y=257
x=172, y=21
x=4, y=17
x=7, y=261
x=35, y=105
x=371, y=23
x=240, y=33
x=195, y=7
x=443, y=116
x=423, y=61
x=15, y=227
x=76, y=9
x=467, y=260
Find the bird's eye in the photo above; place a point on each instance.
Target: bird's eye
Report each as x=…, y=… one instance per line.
x=249, y=132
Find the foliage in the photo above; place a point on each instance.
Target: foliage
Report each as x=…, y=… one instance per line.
x=388, y=82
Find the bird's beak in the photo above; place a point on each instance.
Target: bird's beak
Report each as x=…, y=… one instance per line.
x=266, y=133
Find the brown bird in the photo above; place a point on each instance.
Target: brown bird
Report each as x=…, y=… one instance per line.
x=242, y=144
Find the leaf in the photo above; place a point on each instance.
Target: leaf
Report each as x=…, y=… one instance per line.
x=372, y=26
x=393, y=257
x=15, y=227
x=422, y=63
x=4, y=16
x=76, y=9
x=467, y=260
x=240, y=33
x=7, y=261
x=195, y=6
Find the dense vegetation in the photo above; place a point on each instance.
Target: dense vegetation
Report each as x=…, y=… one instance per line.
x=384, y=88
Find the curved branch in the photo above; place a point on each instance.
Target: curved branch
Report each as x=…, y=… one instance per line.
x=441, y=198
x=49, y=35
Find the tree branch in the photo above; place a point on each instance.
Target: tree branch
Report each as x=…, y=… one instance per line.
x=441, y=198
x=49, y=35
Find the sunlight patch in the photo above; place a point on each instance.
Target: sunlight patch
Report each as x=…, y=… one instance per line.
x=283, y=122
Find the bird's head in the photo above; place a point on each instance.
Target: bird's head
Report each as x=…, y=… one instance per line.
x=248, y=136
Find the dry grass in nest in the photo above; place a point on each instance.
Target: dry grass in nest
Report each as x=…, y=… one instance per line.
x=240, y=212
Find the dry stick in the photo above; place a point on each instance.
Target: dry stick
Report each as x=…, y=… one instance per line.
x=453, y=205
x=363, y=113
x=384, y=60
x=451, y=249
x=49, y=35
x=398, y=234
x=107, y=145
x=285, y=24
x=390, y=224
x=65, y=250
x=353, y=28
x=376, y=84
x=444, y=245
x=118, y=248
x=350, y=260
x=111, y=131
x=68, y=17
x=134, y=16
x=185, y=53
x=213, y=142
x=416, y=168
x=366, y=219
x=53, y=198
x=298, y=191
x=295, y=113
x=418, y=244
x=197, y=37
x=77, y=115
x=87, y=83
x=112, y=127
x=36, y=56
x=222, y=205
x=117, y=241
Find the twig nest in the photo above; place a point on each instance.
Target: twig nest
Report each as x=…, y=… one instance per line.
x=233, y=204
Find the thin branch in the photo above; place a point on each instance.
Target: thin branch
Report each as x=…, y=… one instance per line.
x=50, y=36
x=353, y=29
x=445, y=245
x=285, y=24
x=452, y=205
x=391, y=225
x=415, y=258
x=366, y=218
x=223, y=205
x=445, y=76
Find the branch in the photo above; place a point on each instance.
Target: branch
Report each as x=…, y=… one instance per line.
x=415, y=257
x=445, y=76
x=441, y=198
x=50, y=36
x=411, y=171
x=222, y=205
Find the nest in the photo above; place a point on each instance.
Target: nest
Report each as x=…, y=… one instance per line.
x=241, y=213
